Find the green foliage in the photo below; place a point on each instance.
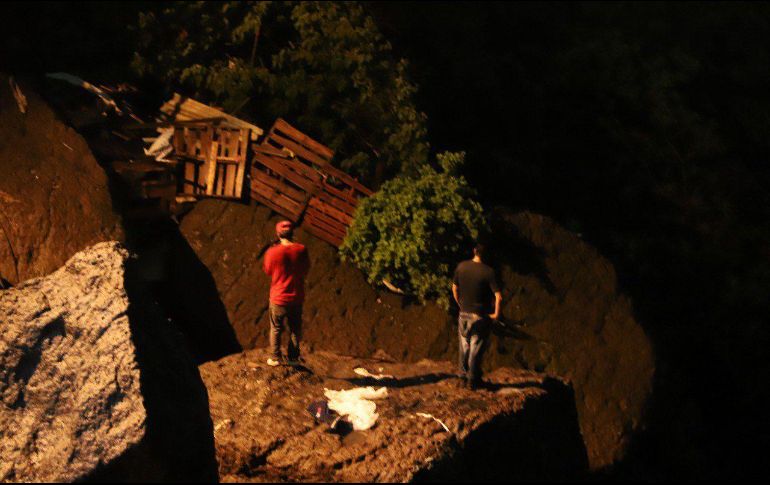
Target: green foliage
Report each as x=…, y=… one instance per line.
x=322, y=65
x=414, y=230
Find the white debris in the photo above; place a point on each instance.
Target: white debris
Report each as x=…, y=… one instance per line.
x=356, y=405
x=161, y=146
x=365, y=373
x=430, y=416
x=21, y=100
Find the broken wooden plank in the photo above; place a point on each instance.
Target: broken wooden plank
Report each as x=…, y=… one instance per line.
x=182, y=108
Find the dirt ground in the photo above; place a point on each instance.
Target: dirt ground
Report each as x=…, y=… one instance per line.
x=524, y=426
x=573, y=321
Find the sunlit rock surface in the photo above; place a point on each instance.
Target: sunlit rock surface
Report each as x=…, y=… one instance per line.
x=95, y=387
x=524, y=426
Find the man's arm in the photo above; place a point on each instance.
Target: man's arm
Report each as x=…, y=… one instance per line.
x=455, y=281
x=498, y=296
x=498, y=302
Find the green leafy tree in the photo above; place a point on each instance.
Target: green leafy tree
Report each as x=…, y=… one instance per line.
x=414, y=229
x=322, y=65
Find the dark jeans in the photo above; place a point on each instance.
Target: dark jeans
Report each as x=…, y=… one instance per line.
x=280, y=318
x=473, y=333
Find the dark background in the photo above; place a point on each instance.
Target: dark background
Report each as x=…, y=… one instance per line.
x=641, y=126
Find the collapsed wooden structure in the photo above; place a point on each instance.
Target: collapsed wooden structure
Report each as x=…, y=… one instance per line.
x=218, y=155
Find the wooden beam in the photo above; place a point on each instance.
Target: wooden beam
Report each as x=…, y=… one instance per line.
x=212, y=168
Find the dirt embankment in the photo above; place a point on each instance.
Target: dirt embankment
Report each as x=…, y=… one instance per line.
x=574, y=321
x=524, y=426
x=54, y=196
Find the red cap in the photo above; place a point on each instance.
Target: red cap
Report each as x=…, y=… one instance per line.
x=282, y=227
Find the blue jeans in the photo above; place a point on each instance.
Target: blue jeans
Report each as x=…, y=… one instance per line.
x=473, y=332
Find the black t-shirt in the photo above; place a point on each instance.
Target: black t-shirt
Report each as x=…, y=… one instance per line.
x=476, y=285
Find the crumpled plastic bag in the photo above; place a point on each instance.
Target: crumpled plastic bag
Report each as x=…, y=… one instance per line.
x=356, y=405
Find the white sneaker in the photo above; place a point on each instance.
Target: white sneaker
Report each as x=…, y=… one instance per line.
x=273, y=362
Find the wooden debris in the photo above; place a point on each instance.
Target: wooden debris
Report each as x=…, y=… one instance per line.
x=181, y=108
x=21, y=100
x=292, y=174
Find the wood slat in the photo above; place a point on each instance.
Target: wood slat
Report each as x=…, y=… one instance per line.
x=270, y=203
x=278, y=185
x=211, y=168
x=330, y=210
x=328, y=224
x=281, y=169
x=339, y=194
x=347, y=179
x=322, y=150
x=342, y=205
x=298, y=149
x=270, y=150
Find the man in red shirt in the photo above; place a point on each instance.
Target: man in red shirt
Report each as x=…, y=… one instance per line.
x=286, y=263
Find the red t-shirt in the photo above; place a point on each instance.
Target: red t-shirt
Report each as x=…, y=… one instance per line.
x=287, y=266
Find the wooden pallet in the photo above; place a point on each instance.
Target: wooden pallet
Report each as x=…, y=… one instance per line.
x=292, y=174
x=213, y=159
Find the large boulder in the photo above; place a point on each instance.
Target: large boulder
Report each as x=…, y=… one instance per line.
x=94, y=385
x=54, y=196
x=575, y=322
x=524, y=426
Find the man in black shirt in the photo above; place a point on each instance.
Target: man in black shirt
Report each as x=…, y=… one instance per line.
x=474, y=289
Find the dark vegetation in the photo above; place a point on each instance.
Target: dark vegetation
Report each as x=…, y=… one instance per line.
x=641, y=127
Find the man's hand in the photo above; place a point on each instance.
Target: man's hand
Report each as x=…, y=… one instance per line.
x=494, y=316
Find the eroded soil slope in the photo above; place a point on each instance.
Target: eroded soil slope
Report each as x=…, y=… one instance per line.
x=54, y=197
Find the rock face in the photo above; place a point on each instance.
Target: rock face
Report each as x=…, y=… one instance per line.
x=95, y=387
x=54, y=197
x=574, y=321
x=524, y=426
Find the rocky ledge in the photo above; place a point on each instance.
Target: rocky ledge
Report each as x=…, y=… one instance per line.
x=522, y=425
